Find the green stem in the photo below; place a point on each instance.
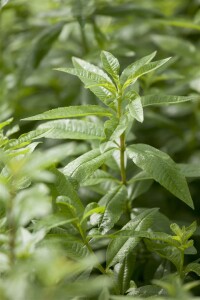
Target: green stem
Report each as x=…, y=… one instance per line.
x=122, y=146
x=99, y=266
x=12, y=231
x=182, y=264
x=122, y=158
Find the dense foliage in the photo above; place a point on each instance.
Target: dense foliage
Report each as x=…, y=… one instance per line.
x=99, y=177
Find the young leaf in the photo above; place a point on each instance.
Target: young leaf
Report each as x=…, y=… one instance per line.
x=84, y=65
x=100, y=84
x=165, y=99
x=72, y=112
x=136, y=109
x=119, y=248
x=110, y=64
x=114, y=201
x=73, y=129
x=117, y=128
x=135, y=66
x=152, y=66
x=87, y=77
x=162, y=168
x=85, y=165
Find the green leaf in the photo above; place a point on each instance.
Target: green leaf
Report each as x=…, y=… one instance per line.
x=26, y=138
x=73, y=129
x=64, y=188
x=115, y=127
x=124, y=271
x=146, y=291
x=5, y=123
x=192, y=267
x=119, y=248
x=99, y=176
x=168, y=252
x=31, y=203
x=95, y=209
x=151, y=235
x=179, y=23
x=51, y=221
x=87, y=77
x=165, y=99
x=135, y=66
x=114, y=201
x=174, y=44
x=110, y=64
x=190, y=170
x=72, y=112
x=43, y=43
x=85, y=165
x=139, y=188
x=152, y=66
x=162, y=168
x=97, y=81
x=84, y=65
x=136, y=109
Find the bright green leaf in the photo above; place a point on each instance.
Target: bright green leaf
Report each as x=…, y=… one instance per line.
x=72, y=129
x=85, y=165
x=110, y=64
x=162, y=168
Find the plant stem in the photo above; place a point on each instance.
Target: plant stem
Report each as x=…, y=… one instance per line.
x=182, y=264
x=98, y=266
x=122, y=145
x=12, y=231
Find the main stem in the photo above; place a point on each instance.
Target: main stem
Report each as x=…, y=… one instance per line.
x=122, y=145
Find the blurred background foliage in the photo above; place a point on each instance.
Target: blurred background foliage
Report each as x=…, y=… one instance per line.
x=38, y=36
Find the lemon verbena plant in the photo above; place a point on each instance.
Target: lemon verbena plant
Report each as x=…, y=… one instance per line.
x=111, y=165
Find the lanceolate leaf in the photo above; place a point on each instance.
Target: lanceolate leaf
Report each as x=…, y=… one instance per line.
x=72, y=112
x=190, y=170
x=136, y=109
x=26, y=138
x=73, y=129
x=119, y=248
x=110, y=64
x=165, y=99
x=84, y=65
x=135, y=66
x=87, y=77
x=114, y=201
x=124, y=271
x=64, y=188
x=102, y=87
x=152, y=66
x=162, y=168
x=85, y=165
